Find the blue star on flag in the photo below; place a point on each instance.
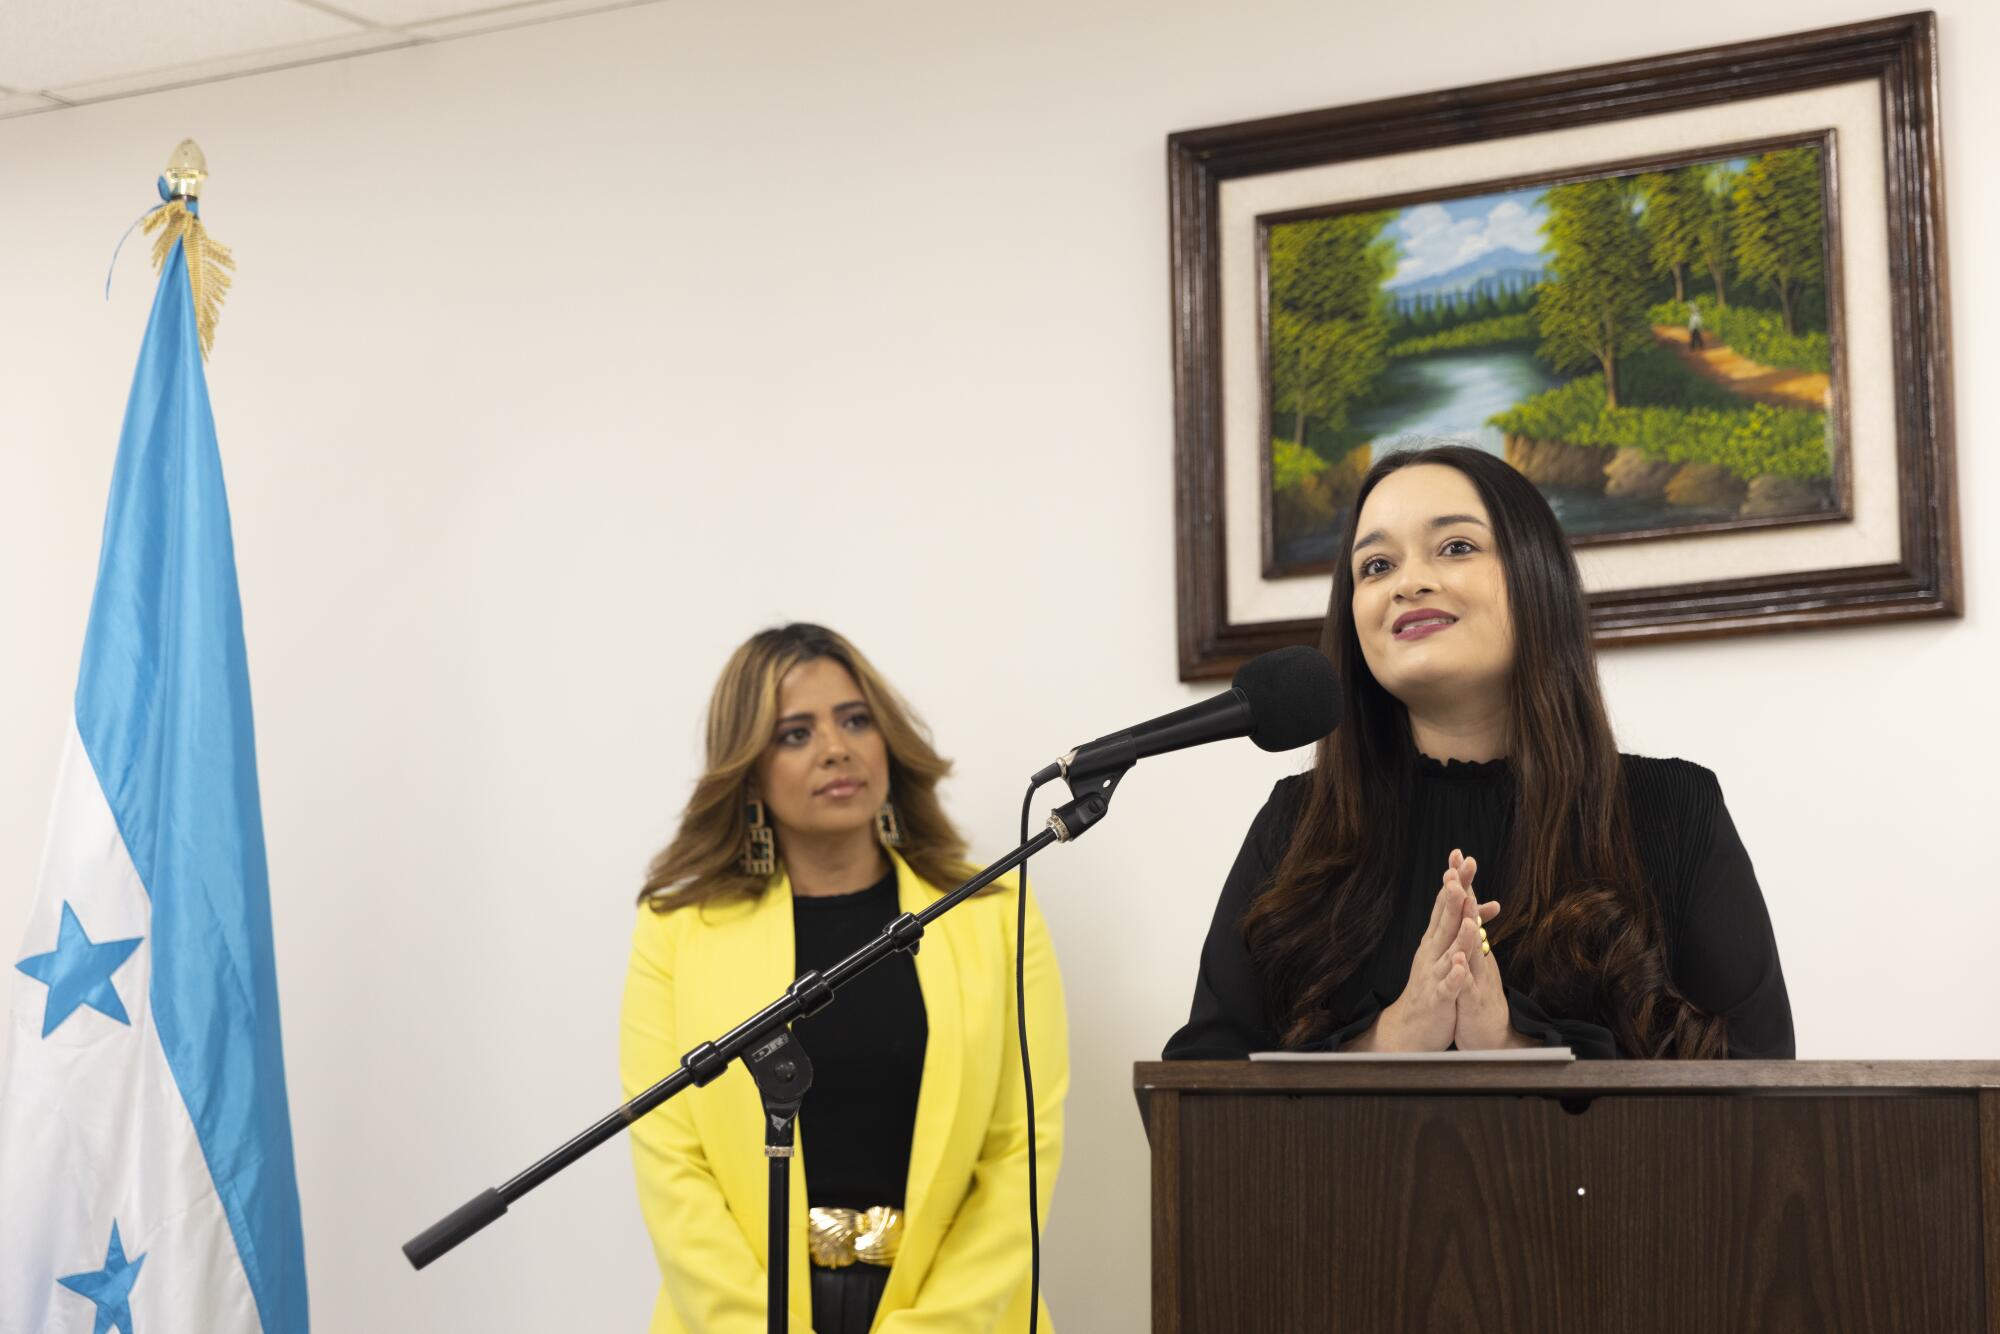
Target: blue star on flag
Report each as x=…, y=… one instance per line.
x=109, y=1288
x=78, y=972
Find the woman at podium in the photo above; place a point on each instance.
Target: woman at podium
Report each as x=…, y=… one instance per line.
x=816, y=823
x=1471, y=863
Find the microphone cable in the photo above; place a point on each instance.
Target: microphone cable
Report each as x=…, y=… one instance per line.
x=1028, y=1076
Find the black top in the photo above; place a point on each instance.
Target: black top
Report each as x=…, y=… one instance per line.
x=867, y=1052
x=1718, y=935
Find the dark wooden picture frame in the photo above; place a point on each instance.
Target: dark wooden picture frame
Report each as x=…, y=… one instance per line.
x=1901, y=52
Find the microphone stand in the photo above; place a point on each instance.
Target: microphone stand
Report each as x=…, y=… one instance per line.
x=773, y=1055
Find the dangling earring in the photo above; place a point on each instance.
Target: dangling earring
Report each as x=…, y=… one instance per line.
x=761, y=856
x=887, y=827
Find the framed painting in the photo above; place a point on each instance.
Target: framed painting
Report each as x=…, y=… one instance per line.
x=1699, y=300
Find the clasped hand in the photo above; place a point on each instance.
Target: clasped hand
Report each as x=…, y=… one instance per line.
x=1454, y=995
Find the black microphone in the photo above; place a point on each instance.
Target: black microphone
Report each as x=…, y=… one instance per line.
x=1280, y=700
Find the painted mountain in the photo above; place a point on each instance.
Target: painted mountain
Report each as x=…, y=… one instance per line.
x=1490, y=274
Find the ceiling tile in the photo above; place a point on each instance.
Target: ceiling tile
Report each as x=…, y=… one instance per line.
x=59, y=43
x=403, y=13
x=456, y=18
x=248, y=62
x=20, y=104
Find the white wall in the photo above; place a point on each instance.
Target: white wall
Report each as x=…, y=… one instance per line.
x=561, y=359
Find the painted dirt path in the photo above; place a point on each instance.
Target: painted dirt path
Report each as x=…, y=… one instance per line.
x=1776, y=385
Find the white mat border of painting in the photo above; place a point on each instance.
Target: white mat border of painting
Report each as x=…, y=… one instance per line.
x=1853, y=111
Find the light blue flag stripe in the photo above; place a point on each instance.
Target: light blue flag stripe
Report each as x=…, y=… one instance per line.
x=163, y=708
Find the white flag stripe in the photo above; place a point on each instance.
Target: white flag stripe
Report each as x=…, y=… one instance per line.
x=92, y=1124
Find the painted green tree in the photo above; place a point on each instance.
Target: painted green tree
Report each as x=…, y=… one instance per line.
x=1329, y=332
x=1780, y=226
x=1713, y=231
x=1592, y=308
x=1677, y=204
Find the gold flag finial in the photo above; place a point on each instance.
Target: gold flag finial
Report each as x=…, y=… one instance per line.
x=186, y=170
x=178, y=221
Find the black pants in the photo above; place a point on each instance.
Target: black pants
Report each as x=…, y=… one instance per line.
x=844, y=1300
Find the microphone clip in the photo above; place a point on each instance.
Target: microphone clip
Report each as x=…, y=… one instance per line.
x=1091, y=788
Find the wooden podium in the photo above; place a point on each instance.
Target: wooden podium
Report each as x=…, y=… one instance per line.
x=1598, y=1197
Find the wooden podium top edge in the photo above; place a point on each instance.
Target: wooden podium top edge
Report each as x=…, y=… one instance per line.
x=1581, y=1078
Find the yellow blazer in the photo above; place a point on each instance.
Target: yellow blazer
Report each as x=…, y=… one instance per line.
x=703, y=1179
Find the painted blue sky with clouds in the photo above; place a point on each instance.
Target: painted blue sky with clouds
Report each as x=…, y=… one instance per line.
x=1437, y=237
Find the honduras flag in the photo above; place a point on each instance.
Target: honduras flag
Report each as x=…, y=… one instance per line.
x=146, y=1181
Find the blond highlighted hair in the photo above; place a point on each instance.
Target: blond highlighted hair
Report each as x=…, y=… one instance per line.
x=704, y=860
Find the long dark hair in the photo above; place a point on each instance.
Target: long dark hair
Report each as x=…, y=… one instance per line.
x=1583, y=929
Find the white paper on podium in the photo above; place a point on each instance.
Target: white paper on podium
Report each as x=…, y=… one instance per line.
x=1532, y=1055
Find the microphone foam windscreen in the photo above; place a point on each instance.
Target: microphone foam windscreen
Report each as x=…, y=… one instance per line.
x=1294, y=696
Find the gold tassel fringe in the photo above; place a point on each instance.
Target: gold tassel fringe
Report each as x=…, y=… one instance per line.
x=208, y=263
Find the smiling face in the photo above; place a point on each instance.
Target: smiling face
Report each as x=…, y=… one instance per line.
x=825, y=772
x=1430, y=595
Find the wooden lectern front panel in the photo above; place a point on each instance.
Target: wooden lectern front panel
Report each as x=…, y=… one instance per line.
x=1629, y=1213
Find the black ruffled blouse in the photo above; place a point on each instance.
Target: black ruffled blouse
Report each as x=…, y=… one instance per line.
x=1718, y=935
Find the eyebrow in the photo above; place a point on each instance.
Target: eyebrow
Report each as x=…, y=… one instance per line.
x=838, y=709
x=1442, y=521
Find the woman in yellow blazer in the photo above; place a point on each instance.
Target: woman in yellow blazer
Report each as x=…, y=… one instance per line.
x=817, y=820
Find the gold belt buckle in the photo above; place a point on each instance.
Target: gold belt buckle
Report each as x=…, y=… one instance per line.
x=838, y=1237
